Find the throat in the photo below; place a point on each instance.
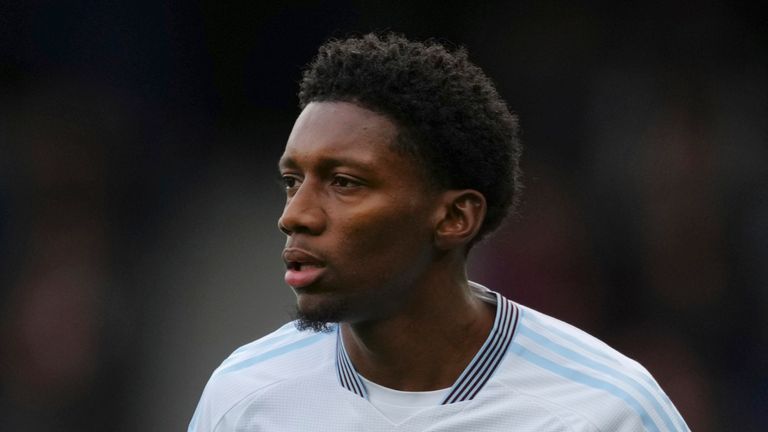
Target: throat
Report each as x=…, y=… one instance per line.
x=418, y=355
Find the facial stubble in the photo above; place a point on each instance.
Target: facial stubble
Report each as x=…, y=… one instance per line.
x=321, y=320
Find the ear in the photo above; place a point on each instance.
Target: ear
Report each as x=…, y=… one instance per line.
x=461, y=215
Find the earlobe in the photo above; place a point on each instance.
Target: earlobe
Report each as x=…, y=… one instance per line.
x=462, y=215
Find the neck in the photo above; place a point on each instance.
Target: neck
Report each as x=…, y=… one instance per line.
x=429, y=342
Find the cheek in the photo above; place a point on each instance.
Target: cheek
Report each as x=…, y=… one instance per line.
x=385, y=238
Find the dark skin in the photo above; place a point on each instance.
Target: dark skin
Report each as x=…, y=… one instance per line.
x=373, y=243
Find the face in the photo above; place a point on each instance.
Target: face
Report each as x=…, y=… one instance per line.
x=358, y=215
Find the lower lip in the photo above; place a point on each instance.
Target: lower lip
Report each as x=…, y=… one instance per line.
x=301, y=278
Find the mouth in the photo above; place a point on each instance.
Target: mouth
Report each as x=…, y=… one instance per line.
x=302, y=267
x=298, y=265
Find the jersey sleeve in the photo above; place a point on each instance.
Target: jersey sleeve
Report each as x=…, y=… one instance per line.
x=203, y=419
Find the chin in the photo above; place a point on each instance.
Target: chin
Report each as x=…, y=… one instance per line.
x=318, y=315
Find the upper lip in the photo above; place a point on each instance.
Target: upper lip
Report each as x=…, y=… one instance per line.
x=294, y=255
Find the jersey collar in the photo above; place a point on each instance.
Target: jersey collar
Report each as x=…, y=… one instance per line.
x=479, y=370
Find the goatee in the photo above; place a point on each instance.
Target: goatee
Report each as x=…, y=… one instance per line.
x=319, y=320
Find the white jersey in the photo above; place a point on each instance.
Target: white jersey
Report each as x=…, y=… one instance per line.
x=534, y=373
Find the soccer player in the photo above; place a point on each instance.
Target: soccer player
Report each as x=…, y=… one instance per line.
x=403, y=157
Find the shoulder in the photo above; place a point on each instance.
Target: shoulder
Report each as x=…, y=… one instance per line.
x=273, y=350
x=285, y=354
x=565, y=367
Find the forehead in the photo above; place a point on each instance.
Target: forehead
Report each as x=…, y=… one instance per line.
x=341, y=131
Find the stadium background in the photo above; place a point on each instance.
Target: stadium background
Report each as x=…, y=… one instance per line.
x=138, y=193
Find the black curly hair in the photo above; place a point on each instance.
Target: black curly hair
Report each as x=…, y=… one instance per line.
x=448, y=112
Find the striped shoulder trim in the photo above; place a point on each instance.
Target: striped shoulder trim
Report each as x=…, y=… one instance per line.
x=488, y=359
x=268, y=349
x=592, y=365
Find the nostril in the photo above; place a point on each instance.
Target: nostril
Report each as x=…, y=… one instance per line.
x=282, y=228
x=302, y=215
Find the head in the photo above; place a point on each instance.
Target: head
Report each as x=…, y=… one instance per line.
x=403, y=154
x=448, y=113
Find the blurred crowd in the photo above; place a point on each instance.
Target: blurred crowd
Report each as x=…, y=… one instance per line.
x=138, y=240
x=657, y=243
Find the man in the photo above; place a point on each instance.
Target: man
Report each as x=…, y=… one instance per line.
x=402, y=158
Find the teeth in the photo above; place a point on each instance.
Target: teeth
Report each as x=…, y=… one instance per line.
x=297, y=266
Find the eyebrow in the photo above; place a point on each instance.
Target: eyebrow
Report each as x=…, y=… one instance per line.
x=327, y=163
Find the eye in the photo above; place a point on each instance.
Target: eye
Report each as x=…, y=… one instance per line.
x=344, y=182
x=290, y=182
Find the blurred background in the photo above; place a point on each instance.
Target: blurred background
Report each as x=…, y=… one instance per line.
x=138, y=192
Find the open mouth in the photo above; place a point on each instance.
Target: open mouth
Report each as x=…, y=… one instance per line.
x=299, y=266
x=302, y=267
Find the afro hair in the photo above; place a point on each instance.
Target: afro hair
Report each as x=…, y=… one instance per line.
x=448, y=112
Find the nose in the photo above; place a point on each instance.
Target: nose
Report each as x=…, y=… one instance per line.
x=303, y=213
